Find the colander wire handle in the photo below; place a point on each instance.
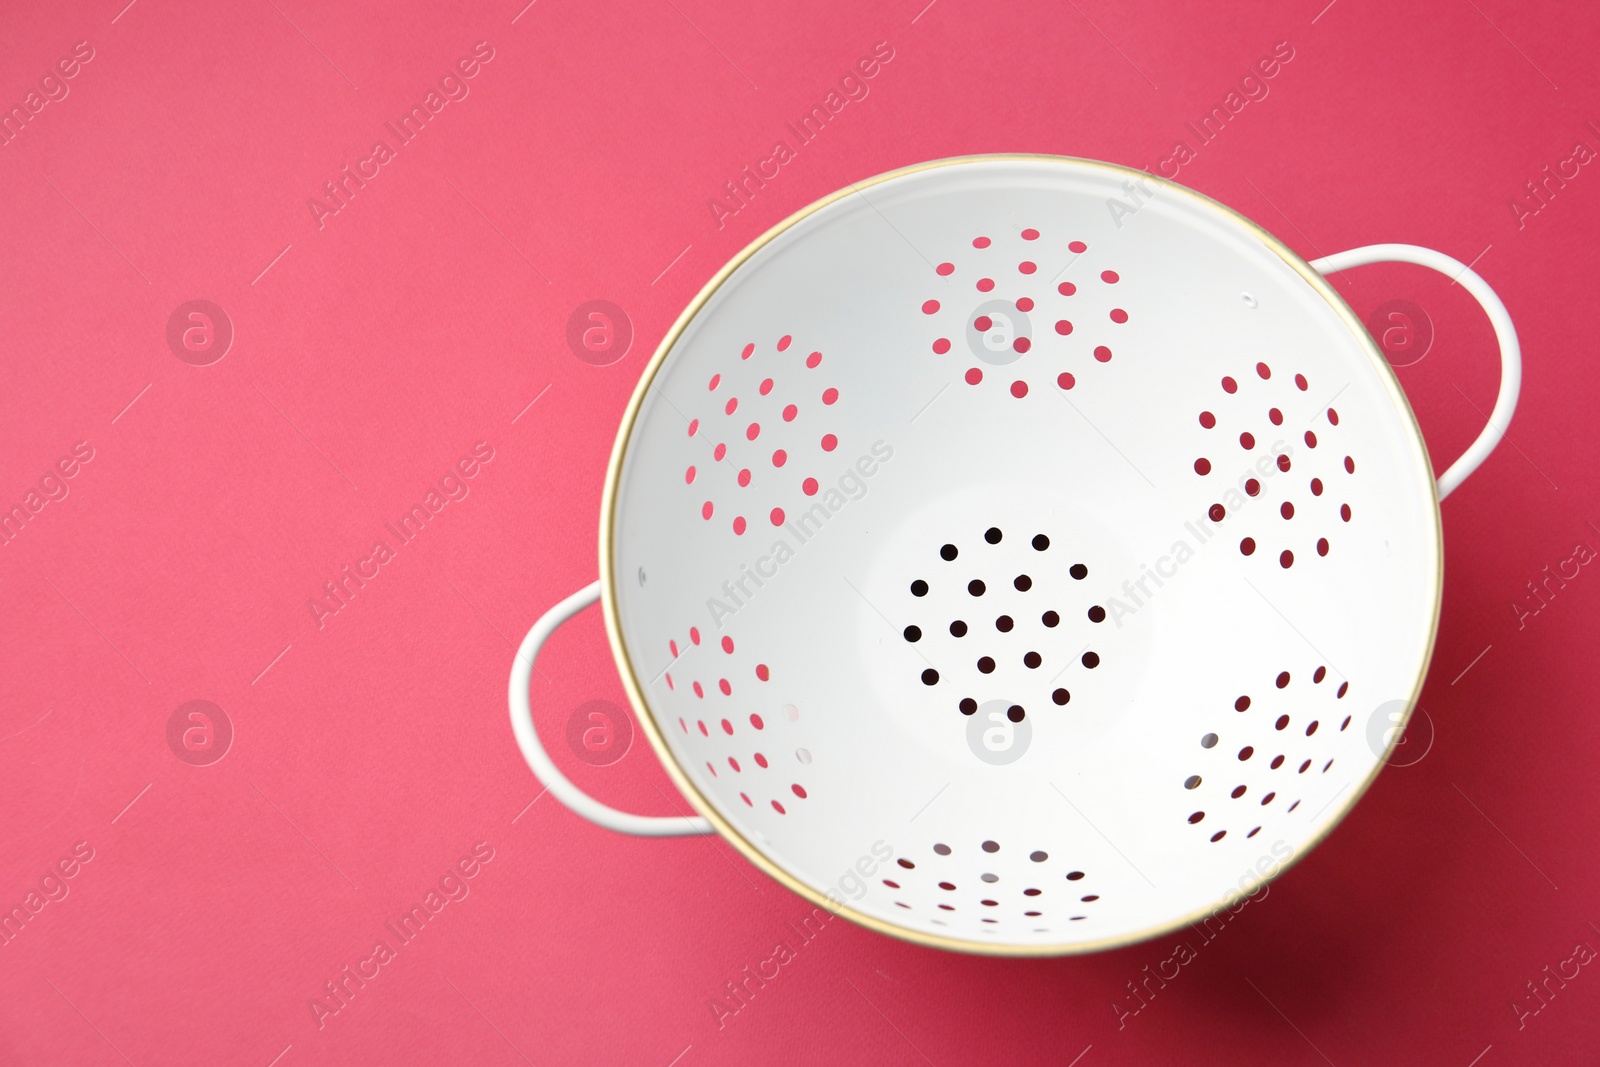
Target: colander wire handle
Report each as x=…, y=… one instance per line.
x=539, y=760
x=1505, y=333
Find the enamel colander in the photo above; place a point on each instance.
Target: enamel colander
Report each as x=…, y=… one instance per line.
x=1011, y=553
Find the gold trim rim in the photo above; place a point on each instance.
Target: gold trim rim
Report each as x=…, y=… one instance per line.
x=635, y=690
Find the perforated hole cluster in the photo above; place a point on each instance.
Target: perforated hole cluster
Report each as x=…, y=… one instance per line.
x=761, y=432
x=996, y=616
x=1282, y=504
x=1002, y=308
x=1261, y=754
x=988, y=888
x=715, y=696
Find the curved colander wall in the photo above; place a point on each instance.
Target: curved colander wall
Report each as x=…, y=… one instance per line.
x=1017, y=572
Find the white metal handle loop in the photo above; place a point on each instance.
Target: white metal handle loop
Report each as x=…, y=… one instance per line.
x=539, y=760
x=1505, y=333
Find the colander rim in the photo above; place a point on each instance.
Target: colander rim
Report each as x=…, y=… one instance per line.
x=653, y=730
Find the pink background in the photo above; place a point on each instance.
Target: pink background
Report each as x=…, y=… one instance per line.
x=371, y=353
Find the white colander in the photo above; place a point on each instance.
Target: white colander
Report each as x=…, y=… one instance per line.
x=1011, y=554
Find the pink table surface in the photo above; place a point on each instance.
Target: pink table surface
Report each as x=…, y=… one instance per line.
x=375, y=345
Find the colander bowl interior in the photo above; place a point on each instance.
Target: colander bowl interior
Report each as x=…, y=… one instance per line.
x=1016, y=571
